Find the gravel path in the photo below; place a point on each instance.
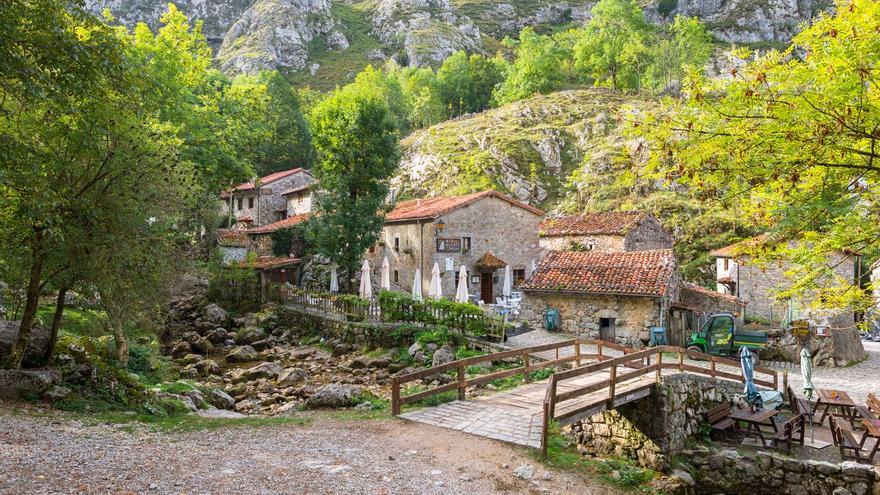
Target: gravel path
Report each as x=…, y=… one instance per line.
x=56, y=454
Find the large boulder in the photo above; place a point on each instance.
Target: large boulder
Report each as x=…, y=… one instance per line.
x=263, y=370
x=291, y=376
x=26, y=384
x=249, y=335
x=217, y=335
x=220, y=399
x=335, y=395
x=242, y=354
x=443, y=355
x=37, y=345
x=215, y=314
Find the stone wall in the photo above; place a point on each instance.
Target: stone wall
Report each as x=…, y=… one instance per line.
x=580, y=314
x=598, y=243
x=492, y=224
x=648, y=234
x=656, y=427
x=704, y=302
x=727, y=471
x=357, y=334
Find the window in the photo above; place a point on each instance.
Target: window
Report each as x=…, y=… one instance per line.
x=726, y=264
x=299, y=197
x=373, y=249
x=519, y=276
x=466, y=244
x=396, y=244
x=250, y=203
x=606, y=329
x=396, y=277
x=240, y=203
x=448, y=245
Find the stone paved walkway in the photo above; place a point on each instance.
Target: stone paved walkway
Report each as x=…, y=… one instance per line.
x=858, y=380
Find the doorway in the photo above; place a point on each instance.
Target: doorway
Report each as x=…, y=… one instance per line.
x=486, y=288
x=606, y=330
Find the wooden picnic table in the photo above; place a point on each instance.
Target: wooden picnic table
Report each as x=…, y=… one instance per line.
x=754, y=420
x=872, y=430
x=837, y=399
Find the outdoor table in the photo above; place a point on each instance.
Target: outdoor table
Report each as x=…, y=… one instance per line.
x=754, y=420
x=872, y=430
x=839, y=400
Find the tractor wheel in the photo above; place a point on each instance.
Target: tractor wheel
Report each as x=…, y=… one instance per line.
x=695, y=349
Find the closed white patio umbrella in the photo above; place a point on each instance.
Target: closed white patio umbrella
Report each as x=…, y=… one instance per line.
x=385, y=280
x=417, y=286
x=366, y=290
x=533, y=267
x=435, y=291
x=334, y=280
x=461, y=293
x=507, y=288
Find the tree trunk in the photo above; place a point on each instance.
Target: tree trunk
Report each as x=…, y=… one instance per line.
x=56, y=324
x=121, y=342
x=32, y=301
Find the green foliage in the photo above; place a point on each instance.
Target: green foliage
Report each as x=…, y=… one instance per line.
x=283, y=239
x=438, y=335
x=398, y=306
x=536, y=69
x=356, y=140
x=234, y=286
x=465, y=83
x=790, y=144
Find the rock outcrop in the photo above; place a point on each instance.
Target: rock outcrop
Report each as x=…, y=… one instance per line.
x=37, y=344
x=274, y=34
x=428, y=31
x=527, y=148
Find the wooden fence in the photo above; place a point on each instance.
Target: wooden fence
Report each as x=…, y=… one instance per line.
x=354, y=309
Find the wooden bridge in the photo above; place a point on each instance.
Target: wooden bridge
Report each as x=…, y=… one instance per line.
x=601, y=376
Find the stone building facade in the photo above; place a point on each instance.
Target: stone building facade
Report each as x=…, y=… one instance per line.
x=610, y=296
x=606, y=232
x=299, y=199
x=757, y=284
x=482, y=231
x=262, y=201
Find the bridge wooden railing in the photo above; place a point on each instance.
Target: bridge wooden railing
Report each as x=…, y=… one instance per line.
x=462, y=381
x=650, y=361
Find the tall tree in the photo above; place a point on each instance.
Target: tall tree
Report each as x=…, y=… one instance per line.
x=613, y=47
x=356, y=140
x=466, y=82
x=793, y=142
x=685, y=43
x=536, y=69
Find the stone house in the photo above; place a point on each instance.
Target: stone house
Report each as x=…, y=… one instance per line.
x=614, y=296
x=604, y=232
x=265, y=200
x=233, y=245
x=483, y=231
x=756, y=285
x=694, y=307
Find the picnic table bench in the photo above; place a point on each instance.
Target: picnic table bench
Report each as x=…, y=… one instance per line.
x=790, y=431
x=754, y=420
x=719, y=417
x=845, y=440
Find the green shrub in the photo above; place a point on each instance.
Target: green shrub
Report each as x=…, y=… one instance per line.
x=438, y=335
x=397, y=306
x=234, y=287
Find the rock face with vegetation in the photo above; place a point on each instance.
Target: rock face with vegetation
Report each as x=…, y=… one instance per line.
x=528, y=148
x=325, y=42
x=276, y=34
x=427, y=31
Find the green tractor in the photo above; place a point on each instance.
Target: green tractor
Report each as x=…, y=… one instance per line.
x=720, y=337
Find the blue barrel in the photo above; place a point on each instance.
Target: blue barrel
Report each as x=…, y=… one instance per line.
x=658, y=336
x=551, y=319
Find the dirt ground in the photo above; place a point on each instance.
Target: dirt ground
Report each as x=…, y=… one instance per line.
x=49, y=452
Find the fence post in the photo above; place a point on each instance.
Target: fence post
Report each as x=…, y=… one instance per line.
x=525, y=359
x=577, y=353
x=395, y=396
x=612, y=385
x=681, y=360
x=552, y=395
x=461, y=382
x=659, y=366
x=599, y=347
x=545, y=429
x=712, y=366
x=784, y=380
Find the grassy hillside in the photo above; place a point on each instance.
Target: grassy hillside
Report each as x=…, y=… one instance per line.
x=565, y=152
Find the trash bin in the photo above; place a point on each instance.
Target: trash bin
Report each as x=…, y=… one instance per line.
x=551, y=319
x=658, y=336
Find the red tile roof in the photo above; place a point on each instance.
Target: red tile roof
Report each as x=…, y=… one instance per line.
x=490, y=261
x=733, y=250
x=609, y=223
x=711, y=293
x=266, y=180
x=232, y=238
x=431, y=208
x=641, y=273
x=281, y=224
x=269, y=263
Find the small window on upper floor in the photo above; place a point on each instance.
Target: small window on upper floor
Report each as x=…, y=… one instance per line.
x=519, y=276
x=726, y=264
x=240, y=203
x=396, y=277
x=465, y=244
x=396, y=244
x=373, y=249
x=251, y=203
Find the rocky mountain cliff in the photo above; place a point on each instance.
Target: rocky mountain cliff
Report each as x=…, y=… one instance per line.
x=324, y=42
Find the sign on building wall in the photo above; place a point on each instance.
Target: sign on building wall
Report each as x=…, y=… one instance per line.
x=448, y=245
x=449, y=265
